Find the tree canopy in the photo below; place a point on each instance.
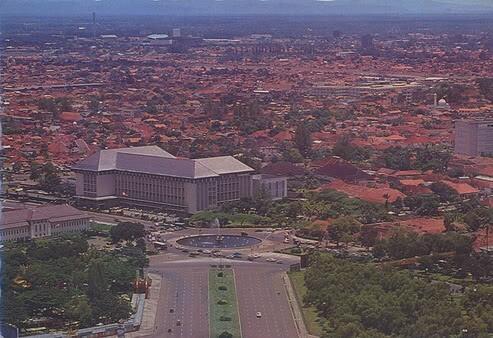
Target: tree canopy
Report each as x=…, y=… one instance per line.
x=356, y=300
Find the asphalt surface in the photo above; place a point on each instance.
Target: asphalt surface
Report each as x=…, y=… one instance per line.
x=259, y=288
x=184, y=298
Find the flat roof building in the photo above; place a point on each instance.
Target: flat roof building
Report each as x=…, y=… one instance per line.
x=150, y=176
x=474, y=137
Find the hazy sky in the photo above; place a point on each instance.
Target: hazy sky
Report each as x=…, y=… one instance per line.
x=223, y=7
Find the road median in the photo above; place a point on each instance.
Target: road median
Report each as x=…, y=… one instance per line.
x=224, y=320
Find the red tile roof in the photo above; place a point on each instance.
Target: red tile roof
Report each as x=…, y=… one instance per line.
x=375, y=195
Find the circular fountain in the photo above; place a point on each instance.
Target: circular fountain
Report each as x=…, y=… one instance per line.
x=219, y=241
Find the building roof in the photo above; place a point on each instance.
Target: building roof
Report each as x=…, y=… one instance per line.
x=283, y=169
x=22, y=217
x=339, y=168
x=462, y=188
x=379, y=194
x=156, y=161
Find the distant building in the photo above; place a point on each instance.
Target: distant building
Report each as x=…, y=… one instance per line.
x=367, y=42
x=151, y=177
x=158, y=40
x=43, y=221
x=474, y=137
x=176, y=33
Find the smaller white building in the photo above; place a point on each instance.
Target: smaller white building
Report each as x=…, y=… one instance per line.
x=275, y=186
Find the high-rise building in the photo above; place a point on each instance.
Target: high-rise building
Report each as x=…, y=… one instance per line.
x=176, y=32
x=367, y=42
x=474, y=137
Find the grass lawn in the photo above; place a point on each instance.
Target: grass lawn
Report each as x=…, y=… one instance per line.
x=101, y=227
x=223, y=310
x=310, y=315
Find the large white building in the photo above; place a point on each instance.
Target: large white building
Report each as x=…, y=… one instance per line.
x=35, y=222
x=149, y=176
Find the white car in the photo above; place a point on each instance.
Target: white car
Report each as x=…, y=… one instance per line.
x=271, y=259
x=259, y=314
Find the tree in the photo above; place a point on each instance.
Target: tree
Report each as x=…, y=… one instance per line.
x=368, y=235
x=303, y=139
x=379, y=302
x=126, y=231
x=47, y=176
x=80, y=310
x=97, y=284
x=225, y=334
x=342, y=227
x=446, y=193
x=293, y=155
x=423, y=205
x=344, y=149
x=433, y=157
x=479, y=218
x=486, y=87
x=397, y=158
x=449, y=221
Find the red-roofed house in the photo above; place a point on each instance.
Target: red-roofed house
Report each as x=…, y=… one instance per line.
x=70, y=116
x=463, y=189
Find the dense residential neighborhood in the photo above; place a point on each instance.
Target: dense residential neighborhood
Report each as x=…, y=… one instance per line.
x=247, y=177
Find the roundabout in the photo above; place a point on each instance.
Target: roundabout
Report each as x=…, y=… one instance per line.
x=219, y=241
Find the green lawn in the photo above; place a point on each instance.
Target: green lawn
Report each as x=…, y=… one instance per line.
x=310, y=315
x=223, y=310
x=101, y=227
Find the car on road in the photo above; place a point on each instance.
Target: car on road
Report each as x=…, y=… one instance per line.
x=259, y=314
x=279, y=262
x=270, y=259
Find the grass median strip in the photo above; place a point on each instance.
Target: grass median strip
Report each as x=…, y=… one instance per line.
x=223, y=311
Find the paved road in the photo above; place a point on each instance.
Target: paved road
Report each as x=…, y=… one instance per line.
x=185, y=290
x=185, y=285
x=260, y=289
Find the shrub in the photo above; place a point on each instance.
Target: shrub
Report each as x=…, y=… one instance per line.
x=222, y=302
x=225, y=318
x=225, y=334
x=222, y=288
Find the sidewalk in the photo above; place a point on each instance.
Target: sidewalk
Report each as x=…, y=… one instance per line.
x=150, y=309
x=295, y=309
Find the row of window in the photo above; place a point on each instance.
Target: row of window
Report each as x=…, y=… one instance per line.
x=89, y=182
x=14, y=232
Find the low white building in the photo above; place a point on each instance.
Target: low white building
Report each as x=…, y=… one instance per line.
x=43, y=221
x=275, y=186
